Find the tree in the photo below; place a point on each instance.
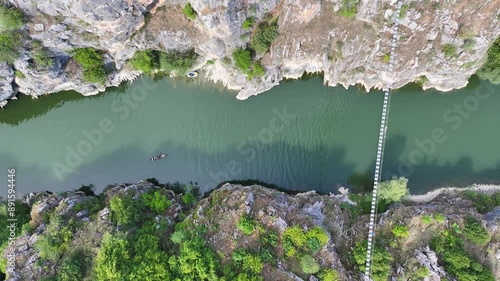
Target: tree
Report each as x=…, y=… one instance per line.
x=393, y=190
x=264, y=36
x=144, y=61
x=491, y=68
x=112, y=261
x=156, y=201
x=242, y=59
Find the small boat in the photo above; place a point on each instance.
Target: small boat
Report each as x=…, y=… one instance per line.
x=192, y=74
x=158, y=157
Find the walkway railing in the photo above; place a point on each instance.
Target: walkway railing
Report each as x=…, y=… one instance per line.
x=381, y=146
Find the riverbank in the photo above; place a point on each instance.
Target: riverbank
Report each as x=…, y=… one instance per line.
x=431, y=195
x=252, y=230
x=440, y=45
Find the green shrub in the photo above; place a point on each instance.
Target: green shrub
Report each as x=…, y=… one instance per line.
x=178, y=236
x=481, y=201
x=450, y=250
x=10, y=18
x=349, y=8
x=316, y=238
x=92, y=64
x=189, y=199
x=149, y=262
x=55, y=240
x=329, y=275
x=40, y=55
x=257, y=70
x=113, y=259
x=421, y=80
x=10, y=43
x=475, y=231
x=381, y=261
x=145, y=61
x=156, y=201
x=246, y=225
x=421, y=273
x=393, y=190
x=440, y=217
x=248, y=23
x=92, y=205
x=189, y=12
x=387, y=58
x=308, y=264
x=242, y=59
x=449, y=50
x=269, y=239
x=491, y=68
x=404, y=10
x=75, y=266
x=124, y=210
x=179, y=62
x=296, y=235
x=400, y=231
x=264, y=35
x=426, y=219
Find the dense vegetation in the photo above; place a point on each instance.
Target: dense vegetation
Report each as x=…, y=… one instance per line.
x=491, y=68
x=450, y=249
x=144, y=240
x=244, y=62
x=381, y=260
x=11, y=20
x=92, y=64
x=22, y=214
x=482, y=202
x=264, y=35
x=149, y=61
x=41, y=57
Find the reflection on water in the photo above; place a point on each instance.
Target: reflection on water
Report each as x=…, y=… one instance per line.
x=300, y=135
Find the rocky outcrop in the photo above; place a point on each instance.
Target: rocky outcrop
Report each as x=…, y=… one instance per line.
x=313, y=38
x=271, y=211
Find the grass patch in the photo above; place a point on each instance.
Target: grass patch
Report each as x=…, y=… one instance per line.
x=381, y=260
x=349, y=8
x=248, y=23
x=10, y=18
x=40, y=55
x=421, y=80
x=10, y=42
x=449, y=50
x=386, y=58
x=189, y=12
x=246, y=225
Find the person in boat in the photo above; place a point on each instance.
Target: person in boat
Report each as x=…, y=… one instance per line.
x=158, y=157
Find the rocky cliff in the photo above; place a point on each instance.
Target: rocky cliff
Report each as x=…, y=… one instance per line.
x=314, y=36
x=255, y=233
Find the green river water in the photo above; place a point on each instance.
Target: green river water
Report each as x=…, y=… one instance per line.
x=299, y=135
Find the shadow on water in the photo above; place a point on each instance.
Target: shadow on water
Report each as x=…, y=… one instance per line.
x=427, y=175
x=26, y=108
x=322, y=169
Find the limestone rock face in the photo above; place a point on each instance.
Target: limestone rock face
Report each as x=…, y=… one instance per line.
x=314, y=37
x=6, y=78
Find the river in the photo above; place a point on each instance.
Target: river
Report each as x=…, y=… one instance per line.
x=300, y=135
